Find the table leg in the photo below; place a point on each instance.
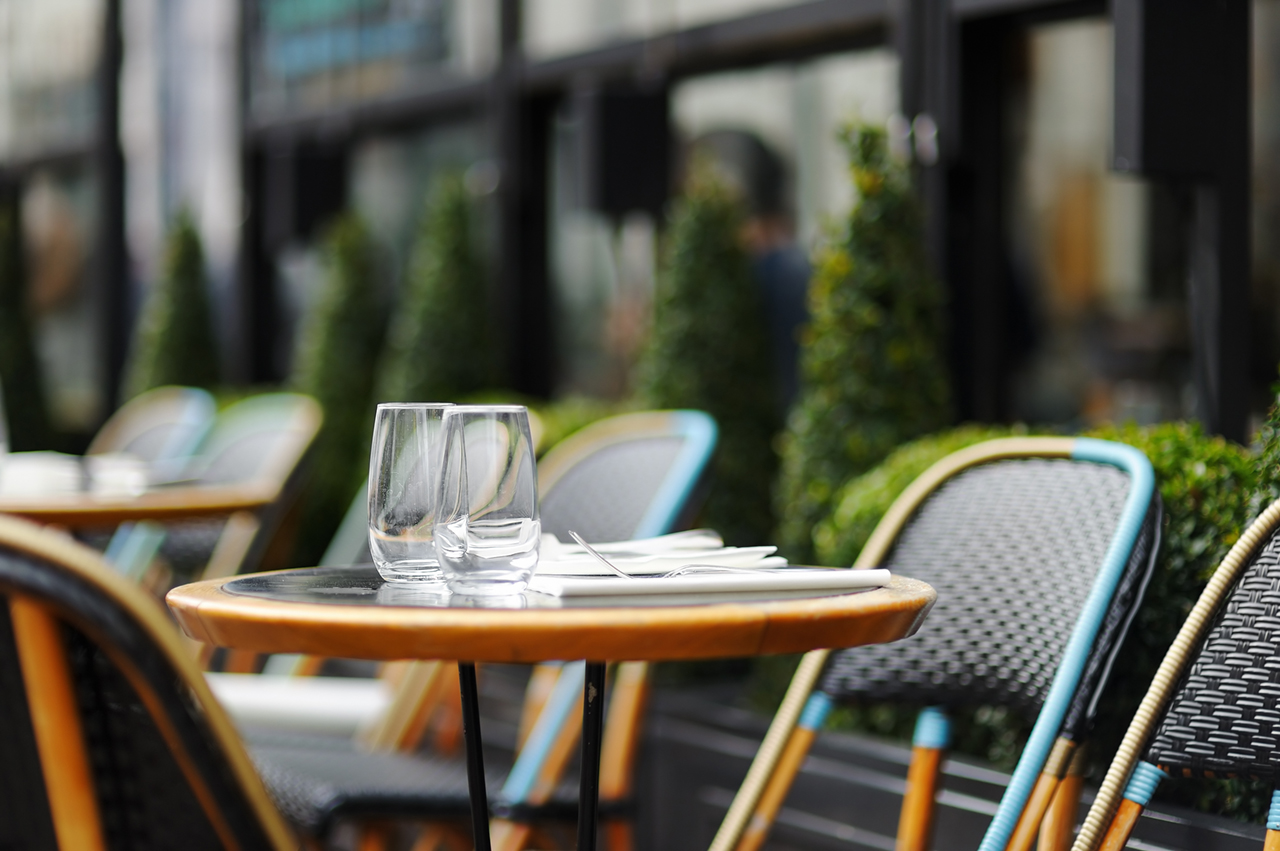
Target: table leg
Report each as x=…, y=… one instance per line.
x=592, y=731
x=475, y=756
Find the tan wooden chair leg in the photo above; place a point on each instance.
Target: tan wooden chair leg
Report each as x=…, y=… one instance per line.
x=629, y=695
x=447, y=717
x=55, y=719
x=505, y=835
x=374, y=836
x=1060, y=821
x=405, y=718
x=929, y=748
x=915, y=822
x=240, y=662
x=1055, y=768
x=1117, y=835
x=1142, y=785
x=776, y=789
x=541, y=683
x=619, y=835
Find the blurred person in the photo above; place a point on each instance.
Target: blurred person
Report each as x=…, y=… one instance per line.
x=781, y=267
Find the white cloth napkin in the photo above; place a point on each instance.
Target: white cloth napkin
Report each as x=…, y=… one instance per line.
x=567, y=570
x=651, y=555
x=780, y=579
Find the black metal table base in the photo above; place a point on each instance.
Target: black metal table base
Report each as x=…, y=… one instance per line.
x=592, y=732
x=475, y=756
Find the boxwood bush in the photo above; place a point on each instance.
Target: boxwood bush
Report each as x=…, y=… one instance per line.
x=709, y=349
x=174, y=341
x=335, y=361
x=872, y=369
x=438, y=344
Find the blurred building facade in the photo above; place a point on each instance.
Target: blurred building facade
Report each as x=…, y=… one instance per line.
x=1082, y=287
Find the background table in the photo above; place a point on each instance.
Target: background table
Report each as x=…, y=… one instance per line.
x=350, y=612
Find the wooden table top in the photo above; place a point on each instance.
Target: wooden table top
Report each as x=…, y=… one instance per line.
x=87, y=509
x=349, y=612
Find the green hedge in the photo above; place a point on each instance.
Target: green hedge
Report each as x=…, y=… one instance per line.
x=438, y=344
x=710, y=350
x=335, y=362
x=861, y=503
x=174, y=341
x=872, y=369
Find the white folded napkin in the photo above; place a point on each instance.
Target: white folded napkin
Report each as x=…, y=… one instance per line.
x=779, y=579
x=648, y=556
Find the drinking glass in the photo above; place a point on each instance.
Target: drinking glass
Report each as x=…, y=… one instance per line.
x=487, y=530
x=404, y=482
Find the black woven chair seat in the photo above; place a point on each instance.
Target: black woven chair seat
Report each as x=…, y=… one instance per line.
x=316, y=780
x=314, y=786
x=1224, y=719
x=1012, y=548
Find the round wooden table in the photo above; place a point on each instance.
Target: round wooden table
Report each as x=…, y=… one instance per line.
x=349, y=612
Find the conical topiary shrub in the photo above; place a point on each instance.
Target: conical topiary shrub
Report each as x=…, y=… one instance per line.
x=335, y=362
x=872, y=365
x=438, y=343
x=173, y=341
x=20, y=382
x=710, y=350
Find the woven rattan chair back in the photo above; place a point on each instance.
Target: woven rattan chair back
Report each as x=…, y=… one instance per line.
x=1040, y=550
x=630, y=476
x=261, y=441
x=158, y=425
x=1013, y=547
x=111, y=739
x=1212, y=709
x=1224, y=717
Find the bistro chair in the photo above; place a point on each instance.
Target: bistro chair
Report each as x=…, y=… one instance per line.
x=111, y=738
x=161, y=427
x=1040, y=549
x=1213, y=708
x=632, y=476
x=257, y=446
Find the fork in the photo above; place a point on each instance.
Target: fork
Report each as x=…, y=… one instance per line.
x=679, y=571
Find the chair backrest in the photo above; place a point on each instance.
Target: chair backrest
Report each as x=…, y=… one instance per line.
x=161, y=424
x=111, y=737
x=1223, y=719
x=262, y=437
x=629, y=476
x=350, y=543
x=1040, y=550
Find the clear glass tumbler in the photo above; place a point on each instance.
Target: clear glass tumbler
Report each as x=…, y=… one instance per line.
x=487, y=530
x=404, y=484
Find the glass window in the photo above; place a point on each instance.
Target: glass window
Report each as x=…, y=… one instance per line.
x=58, y=216
x=1265, y=330
x=773, y=131
x=313, y=54
x=1100, y=312
x=47, y=97
x=560, y=27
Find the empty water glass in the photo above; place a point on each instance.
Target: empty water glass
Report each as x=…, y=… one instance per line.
x=487, y=529
x=404, y=483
